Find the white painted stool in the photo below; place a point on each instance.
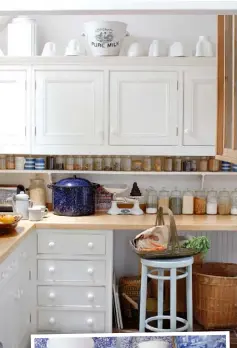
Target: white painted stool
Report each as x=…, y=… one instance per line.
x=158, y=268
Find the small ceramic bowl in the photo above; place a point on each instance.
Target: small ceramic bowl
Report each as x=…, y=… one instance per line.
x=136, y=50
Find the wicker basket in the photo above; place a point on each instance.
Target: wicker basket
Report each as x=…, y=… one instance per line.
x=215, y=295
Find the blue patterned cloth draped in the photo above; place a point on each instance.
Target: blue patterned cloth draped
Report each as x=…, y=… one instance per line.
x=133, y=341
x=205, y=341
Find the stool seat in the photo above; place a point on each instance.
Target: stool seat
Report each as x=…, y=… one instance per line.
x=157, y=272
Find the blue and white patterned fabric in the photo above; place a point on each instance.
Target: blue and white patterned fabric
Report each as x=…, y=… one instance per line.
x=102, y=342
x=133, y=341
x=206, y=341
x=41, y=342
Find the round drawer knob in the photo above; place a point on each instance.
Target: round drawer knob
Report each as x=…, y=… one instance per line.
x=51, y=269
x=90, y=245
x=90, y=270
x=90, y=296
x=51, y=244
x=90, y=322
x=52, y=295
x=52, y=320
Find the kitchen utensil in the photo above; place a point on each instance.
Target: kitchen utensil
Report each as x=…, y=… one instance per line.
x=19, y=163
x=6, y=227
x=176, y=50
x=154, y=49
x=105, y=37
x=136, y=50
x=49, y=50
x=73, y=48
x=204, y=47
x=73, y=197
x=36, y=213
x=70, y=342
x=114, y=210
x=21, y=203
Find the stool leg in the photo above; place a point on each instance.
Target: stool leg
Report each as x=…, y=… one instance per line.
x=143, y=296
x=173, y=299
x=189, y=298
x=160, y=297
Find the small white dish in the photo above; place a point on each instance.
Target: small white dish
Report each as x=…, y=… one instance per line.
x=176, y=50
x=73, y=48
x=49, y=50
x=154, y=49
x=136, y=50
x=36, y=213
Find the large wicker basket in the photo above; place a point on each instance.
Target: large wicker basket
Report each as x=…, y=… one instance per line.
x=215, y=295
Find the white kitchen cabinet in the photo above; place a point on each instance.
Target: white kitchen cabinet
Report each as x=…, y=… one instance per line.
x=200, y=100
x=143, y=108
x=69, y=109
x=14, y=115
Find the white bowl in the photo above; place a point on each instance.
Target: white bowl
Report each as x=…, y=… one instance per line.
x=136, y=50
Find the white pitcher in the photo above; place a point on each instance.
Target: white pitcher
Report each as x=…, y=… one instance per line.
x=70, y=342
x=154, y=344
x=21, y=203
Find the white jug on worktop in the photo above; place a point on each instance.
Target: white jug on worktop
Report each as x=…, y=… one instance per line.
x=21, y=203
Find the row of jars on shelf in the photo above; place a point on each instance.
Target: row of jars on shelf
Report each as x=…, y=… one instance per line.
x=121, y=163
x=194, y=202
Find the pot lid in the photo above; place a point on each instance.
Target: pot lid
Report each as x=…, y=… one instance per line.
x=73, y=182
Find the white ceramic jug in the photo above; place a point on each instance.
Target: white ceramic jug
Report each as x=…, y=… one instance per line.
x=70, y=342
x=21, y=203
x=154, y=344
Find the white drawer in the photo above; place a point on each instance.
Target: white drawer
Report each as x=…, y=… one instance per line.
x=71, y=243
x=84, y=296
x=71, y=321
x=72, y=270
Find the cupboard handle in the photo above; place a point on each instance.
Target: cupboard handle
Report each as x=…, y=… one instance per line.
x=52, y=320
x=51, y=244
x=90, y=270
x=90, y=322
x=52, y=295
x=90, y=245
x=51, y=269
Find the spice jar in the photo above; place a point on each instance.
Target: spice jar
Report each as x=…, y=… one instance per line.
x=177, y=164
x=137, y=165
x=37, y=191
x=188, y=203
x=203, y=164
x=224, y=203
x=127, y=163
x=158, y=164
x=212, y=202
x=193, y=165
x=176, y=202
x=10, y=162
x=200, y=203
x=213, y=165
x=59, y=163
x=151, y=205
x=164, y=199
x=147, y=164
x=168, y=164
x=88, y=164
x=234, y=202
x=117, y=163
x=69, y=163
x=2, y=162
x=108, y=163
x=98, y=163
x=78, y=163
x=187, y=165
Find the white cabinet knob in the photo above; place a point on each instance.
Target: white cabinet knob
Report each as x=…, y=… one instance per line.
x=52, y=320
x=89, y=322
x=90, y=245
x=90, y=296
x=52, y=295
x=51, y=244
x=186, y=131
x=90, y=270
x=51, y=269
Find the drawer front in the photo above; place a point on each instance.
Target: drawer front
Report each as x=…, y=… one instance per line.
x=84, y=296
x=75, y=271
x=71, y=321
x=71, y=243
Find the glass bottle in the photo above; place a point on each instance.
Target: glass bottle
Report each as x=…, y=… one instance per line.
x=10, y=162
x=176, y=202
x=212, y=202
x=59, y=163
x=78, y=163
x=147, y=164
x=200, y=203
x=108, y=163
x=88, y=164
x=127, y=163
x=177, y=164
x=187, y=165
x=224, y=203
x=193, y=165
x=117, y=163
x=69, y=163
x=98, y=163
x=203, y=164
x=188, y=202
x=2, y=162
x=164, y=199
x=158, y=164
x=234, y=202
x=151, y=205
x=168, y=164
x=37, y=191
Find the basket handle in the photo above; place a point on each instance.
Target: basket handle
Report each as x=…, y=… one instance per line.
x=173, y=229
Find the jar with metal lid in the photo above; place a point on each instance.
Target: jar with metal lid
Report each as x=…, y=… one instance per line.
x=127, y=163
x=234, y=202
x=177, y=164
x=212, y=202
x=158, y=164
x=78, y=163
x=224, y=202
x=59, y=163
x=168, y=164
x=164, y=199
x=117, y=163
x=88, y=163
x=176, y=202
x=193, y=165
x=37, y=191
x=137, y=165
x=200, y=203
x=213, y=165
x=203, y=164
x=2, y=162
x=98, y=163
x=188, y=202
x=152, y=200
x=147, y=164
x=108, y=163
x=187, y=164
x=10, y=162
x=69, y=163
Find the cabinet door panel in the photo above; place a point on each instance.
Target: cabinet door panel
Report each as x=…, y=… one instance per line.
x=69, y=108
x=199, y=107
x=143, y=108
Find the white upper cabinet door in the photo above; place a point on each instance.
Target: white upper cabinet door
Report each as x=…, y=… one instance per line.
x=69, y=109
x=13, y=115
x=143, y=108
x=200, y=100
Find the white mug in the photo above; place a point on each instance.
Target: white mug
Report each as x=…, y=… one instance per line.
x=154, y=344
x=73, y=48
x=49, y=49
x=19, y=163
x=70, y=342
x=36, y=213
x=43, y=209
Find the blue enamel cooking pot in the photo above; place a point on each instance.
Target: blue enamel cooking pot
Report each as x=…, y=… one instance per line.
x=73, y=197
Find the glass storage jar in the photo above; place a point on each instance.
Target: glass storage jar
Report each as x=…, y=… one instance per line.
x=164, y=199
x=98, y=163
x=224, y=202
x=203, y=164
x=117, y=163
x=168, y=164
x=108, y=163
x=10, y=162
x=234, y=202
x=127, y=163
x=2, y=162
x=37, y=191
x=137, y=165
x=59, y=163
x=88, y=163
x=200, y=203
x=213, y=165
x=212, y=202
x=69, y=163
x=177, y=164
x=187, y=164
x=188, y=202
x=78, y=163
x=176, y=202
x=147, y=164
x=158, y=164
x=152, y=200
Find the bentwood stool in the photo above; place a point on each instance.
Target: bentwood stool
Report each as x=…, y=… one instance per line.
x=157, y=272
